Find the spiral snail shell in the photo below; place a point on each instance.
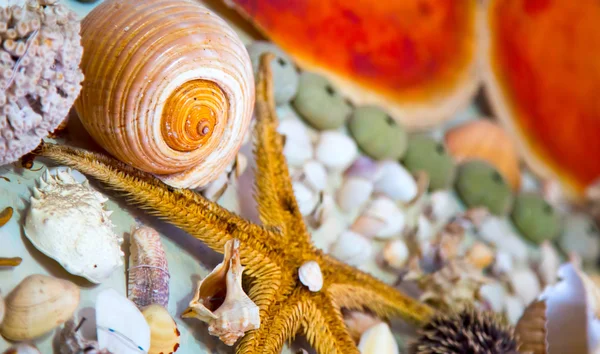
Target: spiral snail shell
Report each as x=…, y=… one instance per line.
x=168, y=88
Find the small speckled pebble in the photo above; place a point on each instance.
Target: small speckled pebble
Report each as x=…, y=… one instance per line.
x=426, y=154
x=377, y=134
x=535, y=218
x=480, y=184
x=319, y=103
x=285, y=76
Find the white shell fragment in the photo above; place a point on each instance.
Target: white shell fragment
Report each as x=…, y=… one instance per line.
x=378, y=340
x=382, y=218
x=395, y=253
x=297, y=148
x=395, y=181
x=336, y=150
x=352, y=248
x=306, y=198
x=311, y=276
x=67, y=222
x=354, y=193
x=120, y=326
x=231, y=318
x=314, y=175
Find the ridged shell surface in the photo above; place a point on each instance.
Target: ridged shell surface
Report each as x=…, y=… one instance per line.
x=168, y=88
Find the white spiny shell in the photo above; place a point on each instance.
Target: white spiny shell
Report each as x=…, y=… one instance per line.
x=67, y=222
x=120, y=326
x=237, y=314
x=298, y=148
x=311, y=276
x=354, y=192
x=395, y=181
x=336, y=150
x=378, y=340
x=352, y=248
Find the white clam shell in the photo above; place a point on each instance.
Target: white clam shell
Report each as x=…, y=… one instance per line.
x=67, y=222
x=395, y=181
x=352, y=248
x=336, y=150
x=298, y=148
x=120, y=326
x=354, y=193
x=311, y=276
x=525, y=284
x=378, y=340
x=306, y=198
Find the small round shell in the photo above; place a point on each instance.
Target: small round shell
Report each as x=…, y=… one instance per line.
x=311, y=276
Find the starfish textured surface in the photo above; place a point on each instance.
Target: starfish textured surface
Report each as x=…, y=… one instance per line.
x=271, y=253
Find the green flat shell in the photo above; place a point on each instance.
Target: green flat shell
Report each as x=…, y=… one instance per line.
x=426, y=154
x=285, y=76
x=535, y=218
x=377, y=134
x=320, y=104
x=479, y=184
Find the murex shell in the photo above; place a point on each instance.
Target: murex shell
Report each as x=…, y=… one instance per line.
x=148, y=281
x=67, y=222
x=230, y=318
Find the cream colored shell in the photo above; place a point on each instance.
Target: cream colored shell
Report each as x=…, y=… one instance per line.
x=37, y=305
x=164, y=335
x=168, y=88
x=67, y=222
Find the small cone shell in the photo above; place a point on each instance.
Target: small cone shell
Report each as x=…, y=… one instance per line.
x=37, y=305
x=179, y=103
x=164, y=335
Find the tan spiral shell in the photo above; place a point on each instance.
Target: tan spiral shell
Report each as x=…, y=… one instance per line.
x=168, y=88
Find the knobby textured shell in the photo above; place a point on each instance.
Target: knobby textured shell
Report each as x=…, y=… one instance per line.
x=169, y=88
x=39, y=72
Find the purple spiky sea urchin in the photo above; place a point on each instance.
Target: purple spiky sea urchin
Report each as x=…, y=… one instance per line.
x=40, y=79
x=468, y=331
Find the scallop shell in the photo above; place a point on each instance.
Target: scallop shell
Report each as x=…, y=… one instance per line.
x=230, y=319
x=180, y=102
x=37, y=305
x=68, y=223
x=148, y=281
x=164, y=335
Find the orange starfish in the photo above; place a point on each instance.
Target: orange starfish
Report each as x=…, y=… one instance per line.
x=271, y=253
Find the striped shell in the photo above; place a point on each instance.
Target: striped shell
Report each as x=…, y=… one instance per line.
x=169, y=88
x=148, y=281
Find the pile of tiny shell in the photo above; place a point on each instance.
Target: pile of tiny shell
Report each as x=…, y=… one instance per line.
x=40, y=77
x=406, y=209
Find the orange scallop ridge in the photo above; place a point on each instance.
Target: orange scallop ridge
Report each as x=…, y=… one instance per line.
x=545, y=58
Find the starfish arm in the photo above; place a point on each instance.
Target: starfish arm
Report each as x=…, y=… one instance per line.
x=283, y=324
x=203, y=219
x=324, y=326
x=275, y=195
x=353, y=289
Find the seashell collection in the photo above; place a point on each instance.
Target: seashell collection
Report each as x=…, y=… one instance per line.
x=451, y=213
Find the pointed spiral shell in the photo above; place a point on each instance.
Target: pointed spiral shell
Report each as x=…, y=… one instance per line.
x=168, y=88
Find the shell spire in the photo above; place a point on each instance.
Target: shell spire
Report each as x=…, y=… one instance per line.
x=148, y=281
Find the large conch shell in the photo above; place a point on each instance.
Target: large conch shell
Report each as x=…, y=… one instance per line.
x=168, y=88
x=231, y=318
x=37, y=305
